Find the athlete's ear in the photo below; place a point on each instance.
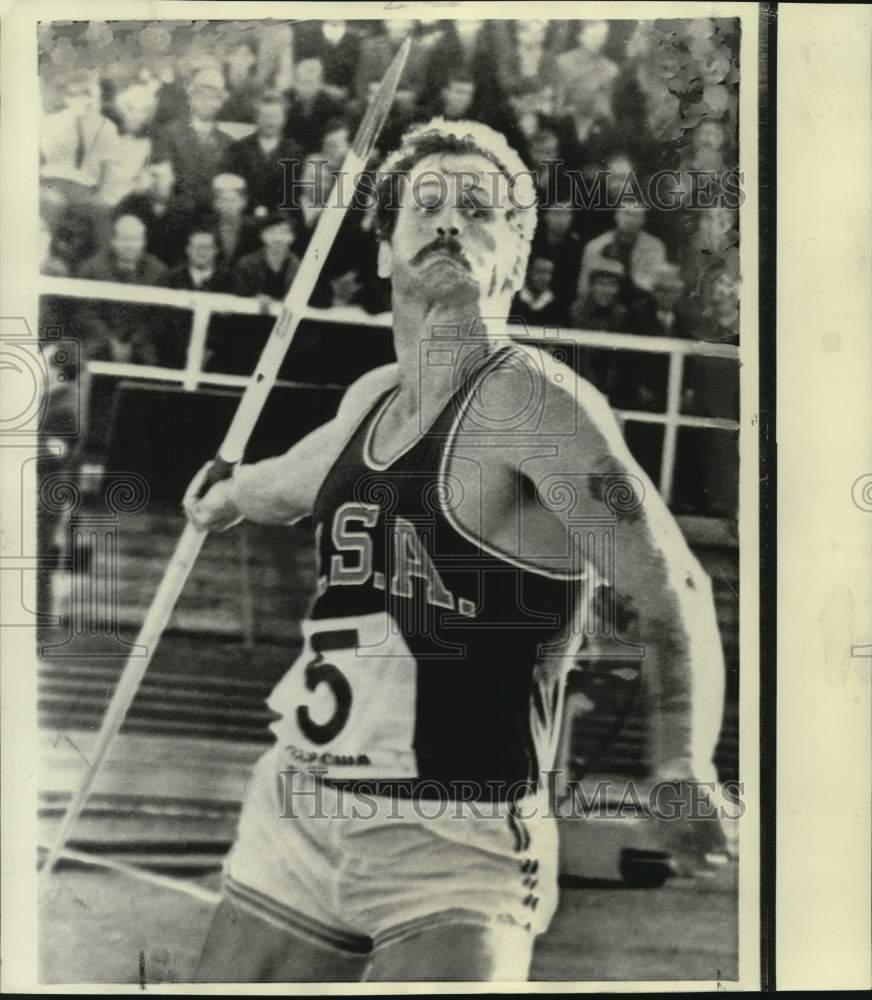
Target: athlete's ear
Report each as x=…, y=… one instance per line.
x=385, y=259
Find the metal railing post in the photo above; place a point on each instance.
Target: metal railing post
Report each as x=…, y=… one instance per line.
x=670, y=429
x=197, y=343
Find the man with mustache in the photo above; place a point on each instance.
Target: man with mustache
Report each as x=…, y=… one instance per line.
x=400, y=828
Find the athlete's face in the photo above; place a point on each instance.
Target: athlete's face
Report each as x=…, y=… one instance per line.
x=454, y=232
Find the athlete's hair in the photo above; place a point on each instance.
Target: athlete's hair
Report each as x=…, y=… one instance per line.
x=442, y=136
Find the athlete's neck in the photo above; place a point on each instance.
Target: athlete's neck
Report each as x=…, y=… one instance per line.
x=435, y=340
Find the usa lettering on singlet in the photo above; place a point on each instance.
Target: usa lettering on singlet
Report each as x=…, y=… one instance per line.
x=423, y=654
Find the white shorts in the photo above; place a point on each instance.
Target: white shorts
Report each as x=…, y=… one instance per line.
x=357, y=882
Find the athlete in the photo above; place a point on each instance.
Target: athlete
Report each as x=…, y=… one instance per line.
x=465, y=501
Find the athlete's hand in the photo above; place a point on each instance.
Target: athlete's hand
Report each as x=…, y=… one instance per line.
x=216, y=511
x=690, y=826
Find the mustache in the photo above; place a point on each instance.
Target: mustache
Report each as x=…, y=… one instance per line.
x=444, y=245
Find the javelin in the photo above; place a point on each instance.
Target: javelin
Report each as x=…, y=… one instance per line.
x=235, y=441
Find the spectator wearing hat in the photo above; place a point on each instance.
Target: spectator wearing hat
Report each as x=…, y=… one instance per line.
x=77, y=143
x=640, y=254
x=536, y=303
x=604, y=305
x=659, y=313
x=268, y=272
x=260, y=158
x=196, y=147
x=237, y=233
x=310, y=106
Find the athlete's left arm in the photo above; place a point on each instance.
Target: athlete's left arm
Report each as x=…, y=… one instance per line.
x=653, y=570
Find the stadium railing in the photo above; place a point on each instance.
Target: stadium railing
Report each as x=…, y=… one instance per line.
x=203, y=305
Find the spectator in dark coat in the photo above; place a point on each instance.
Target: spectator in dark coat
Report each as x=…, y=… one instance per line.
x=529, y=112
x=195, y=145
x=377, y=53
x=604, y=309
x=310, y=106
x=603, y=306
x=258, y=158
x=74, y=238
x=337, y=46
x=242, y=84
x=267, y=273
x=584, y=71
x=457, y=100
x=237, y=233
x=556, y=240
x=526, y=52
x=352, y=249
x=164, y=214
x=536, y=304
x=465, y=46
x=126, y=259
x=202, y=271
x=546, y=160
x=399, y=119
x=121, y=331
x=659, y=313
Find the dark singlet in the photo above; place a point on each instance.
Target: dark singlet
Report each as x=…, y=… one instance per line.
x=423, y=669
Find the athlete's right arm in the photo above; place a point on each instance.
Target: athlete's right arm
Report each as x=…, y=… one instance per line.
x=283, y=489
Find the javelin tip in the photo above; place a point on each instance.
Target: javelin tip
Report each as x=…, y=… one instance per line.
x=378, y=110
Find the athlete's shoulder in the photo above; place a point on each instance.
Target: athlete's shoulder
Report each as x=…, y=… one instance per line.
x=530, y=390
x=363, y=392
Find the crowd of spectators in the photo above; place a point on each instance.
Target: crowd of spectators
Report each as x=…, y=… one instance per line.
x=166, y=154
